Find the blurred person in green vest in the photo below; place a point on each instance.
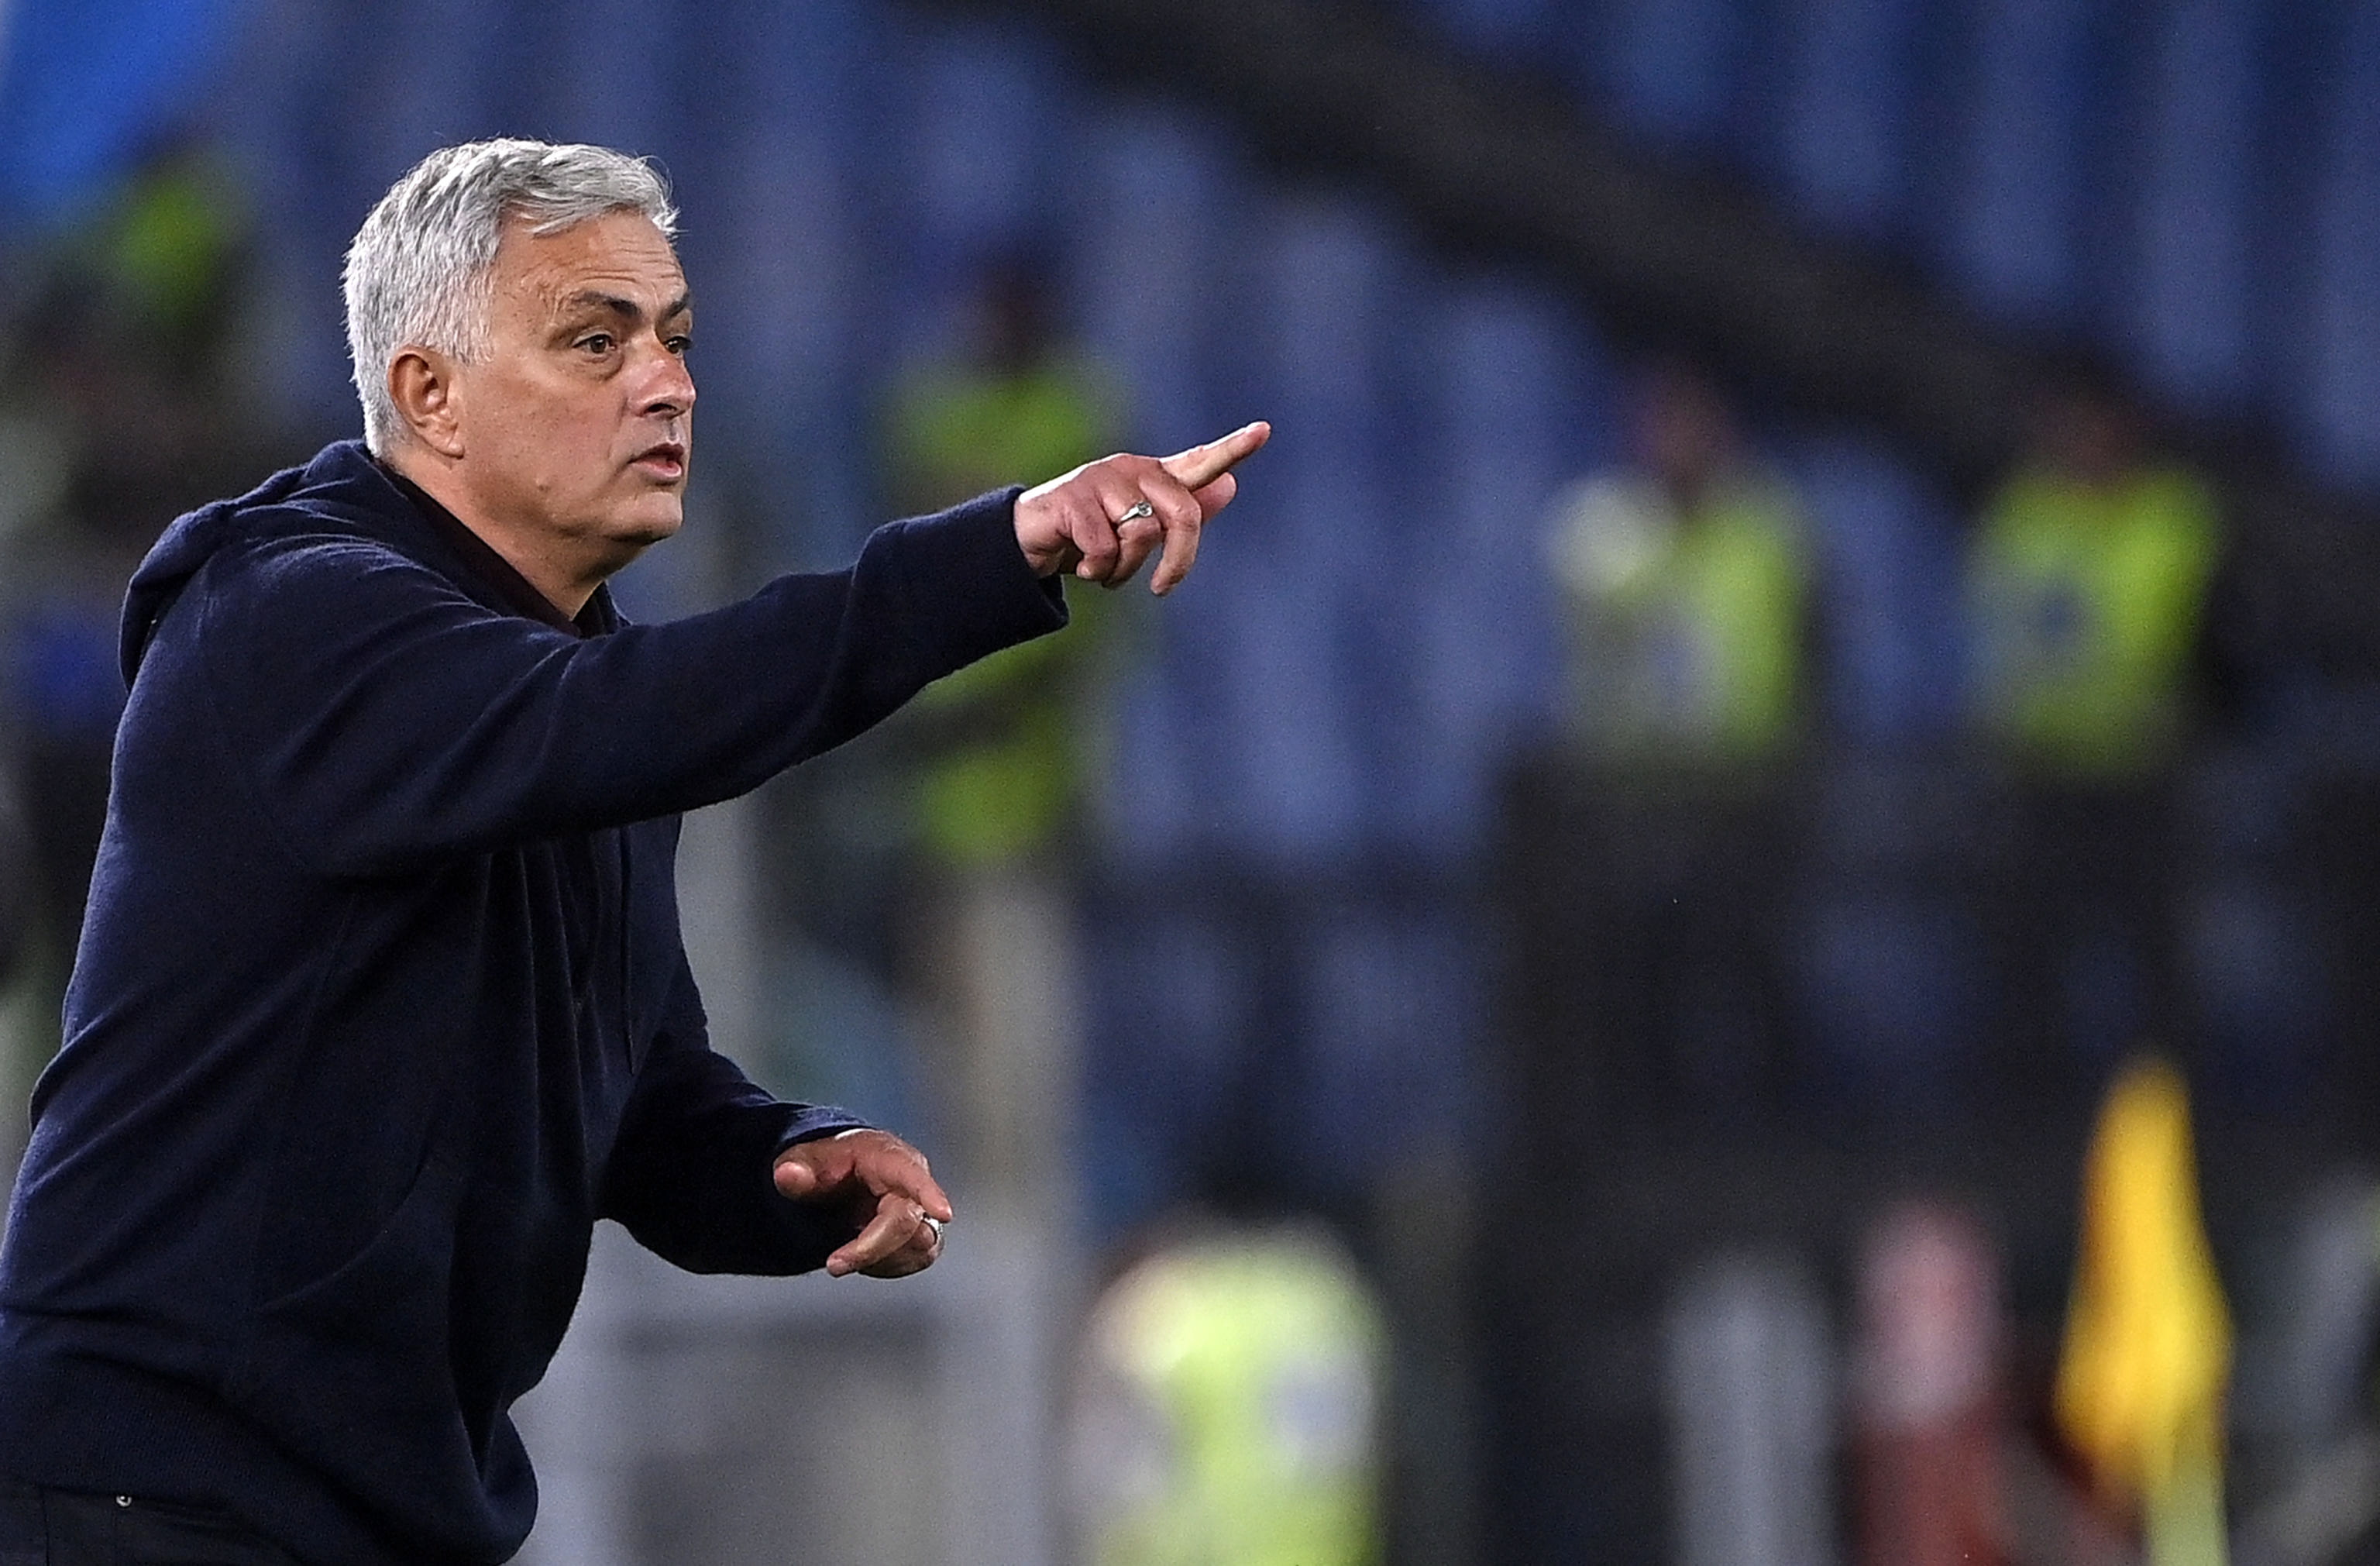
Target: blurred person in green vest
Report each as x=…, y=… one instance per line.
x=1006, y=739
x=1227, y=1407
x=2105, y=632
x=995, y=763
x=1685, y=583
x=1686, y=578
x=127, y=406
x=2089, y=583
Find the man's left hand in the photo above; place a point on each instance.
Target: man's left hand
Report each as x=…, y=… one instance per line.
x=884, y=1188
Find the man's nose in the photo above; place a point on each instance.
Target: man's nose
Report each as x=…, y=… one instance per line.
x=669, y=392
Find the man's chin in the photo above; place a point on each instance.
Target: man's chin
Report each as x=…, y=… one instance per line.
x=649, y=524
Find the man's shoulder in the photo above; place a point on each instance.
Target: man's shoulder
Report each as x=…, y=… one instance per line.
x=341, y=493
x=338, y=515
x=296, y=545
x=282, y=558
x=302, y=532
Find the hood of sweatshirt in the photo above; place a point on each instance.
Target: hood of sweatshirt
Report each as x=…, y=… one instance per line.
x=341, y=483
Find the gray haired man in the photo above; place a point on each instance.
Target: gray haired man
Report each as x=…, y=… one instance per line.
x=381, y=1001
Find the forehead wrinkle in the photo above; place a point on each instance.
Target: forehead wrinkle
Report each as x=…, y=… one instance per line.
x=566, y=297
x=558, y=272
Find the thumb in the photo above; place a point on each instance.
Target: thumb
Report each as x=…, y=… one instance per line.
x=798, y=1178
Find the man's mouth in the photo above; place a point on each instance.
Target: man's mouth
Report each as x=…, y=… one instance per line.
x=665, y=461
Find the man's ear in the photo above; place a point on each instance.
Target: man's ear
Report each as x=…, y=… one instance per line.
x=421, y=384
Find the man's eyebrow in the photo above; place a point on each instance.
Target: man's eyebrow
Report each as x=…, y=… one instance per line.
x=595, y=298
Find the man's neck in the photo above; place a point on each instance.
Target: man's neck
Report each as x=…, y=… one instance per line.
x=563, y=586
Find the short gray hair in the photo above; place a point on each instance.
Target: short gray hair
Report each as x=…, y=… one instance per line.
x=419, y=272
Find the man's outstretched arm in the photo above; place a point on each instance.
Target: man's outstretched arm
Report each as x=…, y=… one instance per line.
x=392, y=719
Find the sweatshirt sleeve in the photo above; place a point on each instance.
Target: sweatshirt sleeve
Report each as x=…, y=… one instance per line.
x=389, y=718
x=691, y=1173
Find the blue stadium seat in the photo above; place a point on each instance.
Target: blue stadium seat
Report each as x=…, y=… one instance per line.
x=1847, y=72
x=318, y=193
x=1513, y=401
x=1393, y=1012
x=778, y=252
x=86, y=91
x=2186, y=313
x=1328, y=517
x=1158, y=201
x=1891, y=981
x=439, y=71
x=1514, y=31
x=589, y=89
x=2301, y=48
x=983, y=123
x=2338, y=400
x=1167, y=1041
x=1156, y=205
x=1672, y=68
x=2014, y=239
x=1888, y=592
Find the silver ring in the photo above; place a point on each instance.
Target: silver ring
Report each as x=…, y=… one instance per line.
x=1138, y=509
x=933, y=1223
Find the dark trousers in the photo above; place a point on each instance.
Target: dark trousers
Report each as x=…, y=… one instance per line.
x=47, y=1527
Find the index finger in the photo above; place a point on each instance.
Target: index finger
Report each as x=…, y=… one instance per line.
x=900, y=1171
x=895, y=1223
x=1201, y=465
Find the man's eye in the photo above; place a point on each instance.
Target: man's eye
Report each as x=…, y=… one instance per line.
x=680, y=345
x=596, y=342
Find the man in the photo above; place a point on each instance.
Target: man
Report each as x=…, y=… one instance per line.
x=381, y=1000
x=2096, y=598
x=2089, y=584
x=1687, y=582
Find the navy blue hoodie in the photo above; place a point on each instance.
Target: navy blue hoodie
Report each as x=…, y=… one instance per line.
x=381, y=1001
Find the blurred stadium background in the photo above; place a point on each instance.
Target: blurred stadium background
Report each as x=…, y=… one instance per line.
x=1777, y=773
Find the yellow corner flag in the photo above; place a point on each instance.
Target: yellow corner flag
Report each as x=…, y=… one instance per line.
x=2148, y=1341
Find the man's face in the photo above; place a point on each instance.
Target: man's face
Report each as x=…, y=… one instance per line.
x=578, y=423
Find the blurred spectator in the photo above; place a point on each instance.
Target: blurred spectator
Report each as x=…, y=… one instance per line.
x=1227, y=1407
x=2310, y=1410
x=1686, y=576
x=1000, y=750
x=1006, y=751
x=2089, y=585
x=1928, y=1402
x=1750, y=1370
x=132, y=413
x=2093, y=585
x=1686, y=580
